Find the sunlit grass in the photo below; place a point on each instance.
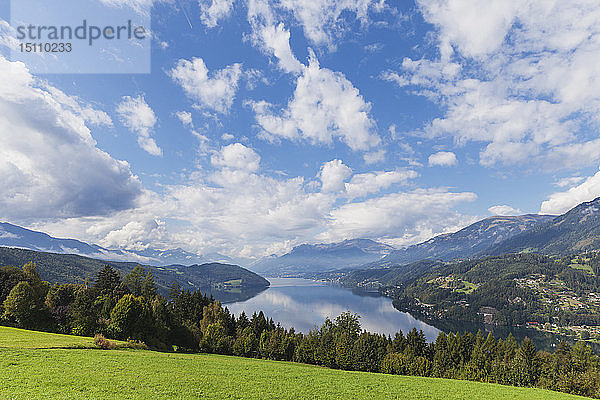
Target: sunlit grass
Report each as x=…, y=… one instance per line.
x=58, y=373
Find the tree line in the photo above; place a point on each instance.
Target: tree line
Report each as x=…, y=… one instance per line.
x=130, y=308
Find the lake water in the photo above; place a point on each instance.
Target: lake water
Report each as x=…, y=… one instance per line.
x=304, y=304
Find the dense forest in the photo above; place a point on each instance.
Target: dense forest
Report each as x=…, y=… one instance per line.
x=129, y=308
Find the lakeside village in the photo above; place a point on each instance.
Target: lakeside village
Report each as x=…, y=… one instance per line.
x=554, y=294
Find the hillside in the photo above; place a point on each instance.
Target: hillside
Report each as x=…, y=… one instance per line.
x=77, y=373
x=465, y=243
x=375, y=278
x=575, y=231
x=69, y=268
x=509, y=290
x=312, y=258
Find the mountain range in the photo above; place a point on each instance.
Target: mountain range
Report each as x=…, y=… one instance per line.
x=467, y=242
x=18, y=237
x=577, y=230
x=311, y=258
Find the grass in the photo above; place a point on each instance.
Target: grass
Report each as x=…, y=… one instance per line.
x=33, y=372
x=21, y=339
x=582, y=267
x=468, y=287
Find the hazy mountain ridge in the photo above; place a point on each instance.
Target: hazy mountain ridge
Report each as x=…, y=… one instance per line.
x=311, y=258
x=18, y=237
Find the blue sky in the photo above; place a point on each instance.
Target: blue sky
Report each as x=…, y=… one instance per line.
x=266, y=124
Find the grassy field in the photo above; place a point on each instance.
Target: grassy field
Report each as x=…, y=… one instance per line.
x=39, y=366
x=582, y=267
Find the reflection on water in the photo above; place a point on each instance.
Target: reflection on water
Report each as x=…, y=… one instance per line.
x=304, y=304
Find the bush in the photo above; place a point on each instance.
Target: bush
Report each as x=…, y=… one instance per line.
x=104, y=343
x=137, y=345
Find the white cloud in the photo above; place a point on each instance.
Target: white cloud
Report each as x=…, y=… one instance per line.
x=214, y=91
x=475, y=27
x=186, y=118
x=374, y=157
x=238, y=157
x=561, y=202
x=443, y=159
x=137, y=115
x=522, y=85
x=236, y=211
x=406, y=218
x=50, y=165
x=372, y=182
x=323, y=20
x=394, y=77
x=227, y=136
x=212, y=11
x=271, y=37
x=504, y=210
x=325, y=106
x=333, y=174
x=570, y=181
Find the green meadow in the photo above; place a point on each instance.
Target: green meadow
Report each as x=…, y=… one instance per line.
x=36, y=365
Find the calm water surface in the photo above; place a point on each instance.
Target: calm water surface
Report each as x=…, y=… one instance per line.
x=304, y=304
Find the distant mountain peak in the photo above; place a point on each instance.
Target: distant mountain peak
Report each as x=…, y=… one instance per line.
x=310, y=258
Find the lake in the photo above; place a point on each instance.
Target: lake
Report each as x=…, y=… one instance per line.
x=304, y=304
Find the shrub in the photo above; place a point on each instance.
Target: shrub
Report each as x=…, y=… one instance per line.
x=104, y=343
x=136, y=344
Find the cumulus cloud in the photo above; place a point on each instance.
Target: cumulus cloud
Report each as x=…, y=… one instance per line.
x=476, y=28
x=215, y=91
x=524, y=87
x=443, y=159
x=50, y=165
x=561, y=202
x=504, y=210
x=405, y=218
x=238, y=157
x=325, y=106
x=333, y=174
x=212, y=11
x=270, y=36
x=237, y=211
x=137, y=115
